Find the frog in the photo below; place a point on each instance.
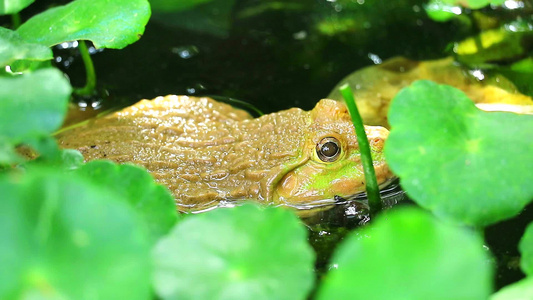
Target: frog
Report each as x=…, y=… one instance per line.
x=208, y=153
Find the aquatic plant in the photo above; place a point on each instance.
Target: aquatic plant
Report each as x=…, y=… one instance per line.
x=107, y=24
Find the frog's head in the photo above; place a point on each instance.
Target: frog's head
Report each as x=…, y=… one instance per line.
x=333, y=161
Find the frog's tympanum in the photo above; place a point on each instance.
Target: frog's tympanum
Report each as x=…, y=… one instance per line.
x=206, y=152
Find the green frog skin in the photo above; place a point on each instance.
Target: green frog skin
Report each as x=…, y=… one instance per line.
x=207, y=152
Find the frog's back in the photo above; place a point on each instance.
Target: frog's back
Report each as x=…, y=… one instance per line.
x=200, y=148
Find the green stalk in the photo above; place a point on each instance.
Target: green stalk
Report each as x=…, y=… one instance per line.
x=372, y=188
x=90, y=84
x=15, y=20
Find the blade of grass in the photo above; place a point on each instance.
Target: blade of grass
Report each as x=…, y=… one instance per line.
x=372, y=188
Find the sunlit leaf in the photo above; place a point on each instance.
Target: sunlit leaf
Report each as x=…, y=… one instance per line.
x=108, y=24
x=32, y=105
x=13, y=48
x=526, y=249
x=444, y=10
x=63, y=238
x=521, y=290
x=409, y=253
x=457, y=160
x=236, y=253
x=13, y=6
x=441, y=11
x=493, y=45
x=153, y=202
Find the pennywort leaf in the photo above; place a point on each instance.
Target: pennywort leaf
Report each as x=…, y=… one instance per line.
x=8, y=7
x=152, y=202
x=456, y=160
x=408, y=252
x=63, y=238
x=526, y=249
x=521, y=290
x=244, y=252
x=32, y=105
x=13, y=48
x=107, y=23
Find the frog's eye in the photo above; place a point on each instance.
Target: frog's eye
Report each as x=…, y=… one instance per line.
x=329, y=149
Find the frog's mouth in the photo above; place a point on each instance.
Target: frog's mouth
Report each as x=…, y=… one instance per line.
x=298, y=189
x=390, y=193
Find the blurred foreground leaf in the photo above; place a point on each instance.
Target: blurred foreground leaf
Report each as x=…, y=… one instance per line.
x=152, y=201
x=521, y=290
x=32, y=105
x=8, y=7
x=108, y=24
x=63, y=238
x=457, y=160
x=444, y=10
x=501, y=44
x=240, y=253
x=526, y=249
x=407, y=252
x=13, y=48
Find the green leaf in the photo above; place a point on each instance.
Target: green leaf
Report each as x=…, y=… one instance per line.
x=8, y=7
x=32, y=105
x=235, y=253
x=409, y=253
x=108, y=24
x=152, y=201
x=498, y=44
x=526, y=249
x=521, y=290
x=63, y=238
x=444, y=10
x=13, y=48
x=457, y=160
x=441, y=11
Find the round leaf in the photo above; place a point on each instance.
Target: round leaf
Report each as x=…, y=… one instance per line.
x=526, y=249
x=32, y=105
x=521, y=290
x=63, y=238
x=13, y=48
x=412, y=254
x=152, y=201
x=108, y=24
x=457, y=160
x=237, y=253
x=8, y=7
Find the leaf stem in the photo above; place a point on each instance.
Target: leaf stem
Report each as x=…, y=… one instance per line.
x=90, y=84
x=372, y=188
x=15, y=20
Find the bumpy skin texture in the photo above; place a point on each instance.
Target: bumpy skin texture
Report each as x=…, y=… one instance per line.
x=206, y=152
